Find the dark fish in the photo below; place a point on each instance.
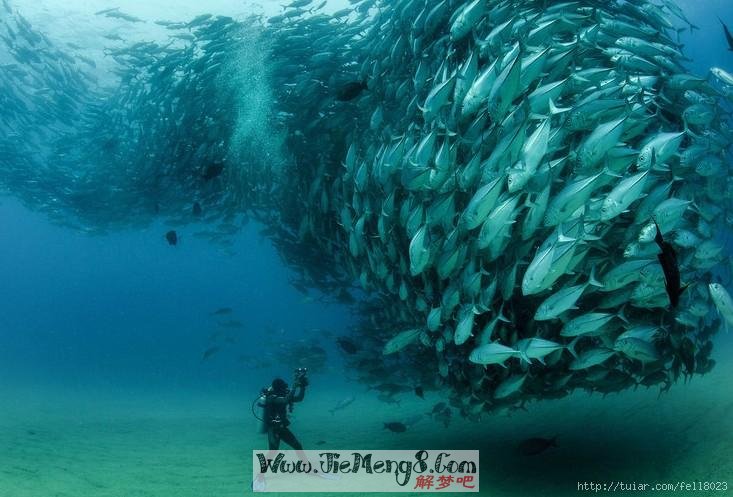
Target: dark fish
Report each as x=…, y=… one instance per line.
x=390, y=388
x=388, y=399
x=222, y=311
x=196, y=209
x=232, y=324
x=350, y=90
x=320, y=442
x=440, y=406
x=347, y=345
x=345, y=297
x=172, y=237
x=687, y=355
x=209, y=352
x=444, y=416
x=668, y=260
x=213, y=170
x=100, y=12
x=419, y=392
x=537, y=445
x=300, y=287
x=728, y=35
x=395, y=427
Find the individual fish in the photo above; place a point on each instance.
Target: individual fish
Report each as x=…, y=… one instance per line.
x=539, y=348
x=400, y=341
x=350, y=90
x=638, y=349
x=395, y=427
x=342, y=404
x=668, y=260
x=388, y=399
x=208, y=353
x=117, y=14
x=171, y=237
x=232, y=323
x=222, y=311
x=347, y=345
x=591, y=357
x=212, y=171
x=444, y=416
x=105, y=11
x=723, y=302
x=536, y=445
x=419, y=392
x=391, y=388
x=494, y=353
x=564, y=300
x=728, y=36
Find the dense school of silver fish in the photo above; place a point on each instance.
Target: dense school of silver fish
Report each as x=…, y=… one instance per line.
x=488, y=175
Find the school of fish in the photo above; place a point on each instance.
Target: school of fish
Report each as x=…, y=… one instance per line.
x=488, y=176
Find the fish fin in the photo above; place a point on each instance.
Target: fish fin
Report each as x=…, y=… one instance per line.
x=523, y=357
x=571, y=347
x=622, y=316
x=592, y=279
x=562, y=238
x=501, y=316
x=608, y=172
x=554, y=110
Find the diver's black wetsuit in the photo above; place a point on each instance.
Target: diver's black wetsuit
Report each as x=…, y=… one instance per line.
x=276, y=416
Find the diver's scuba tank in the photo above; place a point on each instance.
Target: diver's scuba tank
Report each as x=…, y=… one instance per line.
x=259, y=404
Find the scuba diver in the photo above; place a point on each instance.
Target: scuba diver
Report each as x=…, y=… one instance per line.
x=276, y=402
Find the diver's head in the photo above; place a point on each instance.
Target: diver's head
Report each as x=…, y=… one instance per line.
x=279, y=386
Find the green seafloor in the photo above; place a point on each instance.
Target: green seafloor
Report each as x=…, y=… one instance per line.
x=70, y=442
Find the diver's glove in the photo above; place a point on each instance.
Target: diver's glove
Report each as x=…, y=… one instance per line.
x=303, y=381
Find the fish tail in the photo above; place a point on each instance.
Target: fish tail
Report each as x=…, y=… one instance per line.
x=592, y=280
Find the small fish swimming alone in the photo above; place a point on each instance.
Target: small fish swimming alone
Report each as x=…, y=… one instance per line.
x=116, y=14
x=209, y=352
x=536, y=445
x=350, y=90
x=104, y=11
x=668, y=260
x=196, y=209
x=222, y=311
x=728, y=35
x=342, y=404
x=233, y=323
x=437, y=408
x=172, y=237
x=395, y=427
x=388, y=399
x=419, y=392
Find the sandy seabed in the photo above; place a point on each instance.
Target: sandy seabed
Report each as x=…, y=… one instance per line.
x=71, y=442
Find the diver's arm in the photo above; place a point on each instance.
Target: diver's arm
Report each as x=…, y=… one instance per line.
x=301, y=392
